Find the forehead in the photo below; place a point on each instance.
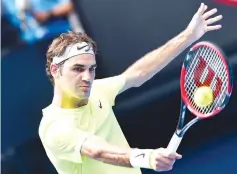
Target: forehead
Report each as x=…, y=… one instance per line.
x=83, y=59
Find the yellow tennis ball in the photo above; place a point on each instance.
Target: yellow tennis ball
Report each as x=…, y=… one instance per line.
x=203, y=96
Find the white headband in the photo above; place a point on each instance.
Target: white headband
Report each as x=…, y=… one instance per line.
x=74, y=50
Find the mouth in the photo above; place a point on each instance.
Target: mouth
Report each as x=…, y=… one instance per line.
x=85, y=87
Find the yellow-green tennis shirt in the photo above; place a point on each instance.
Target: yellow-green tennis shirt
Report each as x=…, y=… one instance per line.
x=61, y=130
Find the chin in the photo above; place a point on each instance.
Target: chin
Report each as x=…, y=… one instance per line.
x=84, y=96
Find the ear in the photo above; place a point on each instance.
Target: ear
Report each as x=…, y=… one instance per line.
x=53, y=70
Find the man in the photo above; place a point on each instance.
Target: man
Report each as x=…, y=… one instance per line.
x=79, y=131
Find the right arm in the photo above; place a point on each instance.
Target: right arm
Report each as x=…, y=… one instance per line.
x=69, y=143
x=98, y=149
x=160, y=159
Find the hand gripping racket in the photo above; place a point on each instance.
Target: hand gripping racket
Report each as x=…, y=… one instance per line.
x=204, y=65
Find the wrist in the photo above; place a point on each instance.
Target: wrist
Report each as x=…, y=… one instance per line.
x=141, y=158
x=188, y=33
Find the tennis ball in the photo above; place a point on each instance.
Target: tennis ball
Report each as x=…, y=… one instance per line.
x=203, y=96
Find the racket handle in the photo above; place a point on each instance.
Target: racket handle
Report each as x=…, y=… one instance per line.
x=174, y=143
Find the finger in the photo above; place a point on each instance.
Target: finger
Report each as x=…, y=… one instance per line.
x=168, y=154
x=213, y=20
x=201, y=9
x=214, y=27
x=209, y=13
x=178, y=156
x=205, y=8
x=165, y=160
x=163, y=167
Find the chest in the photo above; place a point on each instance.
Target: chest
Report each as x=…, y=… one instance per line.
x=99, y=116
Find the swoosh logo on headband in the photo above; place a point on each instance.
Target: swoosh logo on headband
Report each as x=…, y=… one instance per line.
x=79, y=48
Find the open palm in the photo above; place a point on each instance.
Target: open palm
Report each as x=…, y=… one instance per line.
x=202, y=23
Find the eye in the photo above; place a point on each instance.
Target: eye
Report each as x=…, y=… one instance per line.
x=92, y=69
x=78, y=69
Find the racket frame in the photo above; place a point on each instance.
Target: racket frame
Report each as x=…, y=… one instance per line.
x=182, y=79
x=181, y=128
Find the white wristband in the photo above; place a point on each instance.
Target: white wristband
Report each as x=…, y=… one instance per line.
x=140, y=158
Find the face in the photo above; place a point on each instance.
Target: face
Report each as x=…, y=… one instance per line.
x=76, y=75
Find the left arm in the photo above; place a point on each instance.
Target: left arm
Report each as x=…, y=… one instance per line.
x=146, y=67
x=62, y=9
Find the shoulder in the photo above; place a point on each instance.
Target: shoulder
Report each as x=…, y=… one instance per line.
x=51, y=116
x=117, y=78
x=109, y=83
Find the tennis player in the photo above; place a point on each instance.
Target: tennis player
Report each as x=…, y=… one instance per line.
x=79, y=130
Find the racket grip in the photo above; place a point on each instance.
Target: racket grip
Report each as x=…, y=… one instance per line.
x=174, y=143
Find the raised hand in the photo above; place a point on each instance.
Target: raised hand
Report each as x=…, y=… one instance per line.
x=202, y=22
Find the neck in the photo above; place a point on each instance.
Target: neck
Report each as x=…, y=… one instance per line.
x=66, y=101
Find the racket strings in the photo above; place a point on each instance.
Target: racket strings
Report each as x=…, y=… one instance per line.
x=206, y=69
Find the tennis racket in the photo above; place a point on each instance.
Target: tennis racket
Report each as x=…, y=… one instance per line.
x=204, y=65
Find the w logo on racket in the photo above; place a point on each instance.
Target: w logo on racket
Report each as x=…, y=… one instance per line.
x=201, y=79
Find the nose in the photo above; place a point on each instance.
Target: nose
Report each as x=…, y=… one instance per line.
x=86, y=76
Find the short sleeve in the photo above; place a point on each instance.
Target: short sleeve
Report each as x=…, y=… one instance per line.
x=109, y=87
x=65, y=141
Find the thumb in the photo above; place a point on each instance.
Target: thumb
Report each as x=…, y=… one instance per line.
x=178, y=156
x=201, y=9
